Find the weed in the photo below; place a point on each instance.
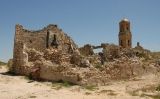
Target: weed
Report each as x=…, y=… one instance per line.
x=109, y=92
x=66, y=84
x=112, y=94
x=133, y=93
x=58, y=85
x=91, y=87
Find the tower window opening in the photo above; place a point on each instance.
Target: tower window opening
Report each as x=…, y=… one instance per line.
x=128, y=42
x=121, y=28
x=121, y=43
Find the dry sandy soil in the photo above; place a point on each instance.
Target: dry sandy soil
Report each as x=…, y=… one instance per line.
x=19, y=87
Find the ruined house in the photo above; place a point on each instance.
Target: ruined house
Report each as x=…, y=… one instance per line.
x=51, y=43
x=50, y=37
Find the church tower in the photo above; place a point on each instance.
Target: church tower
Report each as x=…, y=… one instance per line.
x=125, y=35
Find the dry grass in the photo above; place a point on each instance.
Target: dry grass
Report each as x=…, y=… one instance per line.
x=88, y=93
x=91, y=87
x=108, y=92
x=61, y=84
x=32, y=96
x=2, y=63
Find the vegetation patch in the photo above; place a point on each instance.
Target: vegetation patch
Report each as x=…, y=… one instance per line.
x=58, y=85
x=91, y=87
x=2, y=63
x=108, y=92
x=66, y=83
x=134, y=93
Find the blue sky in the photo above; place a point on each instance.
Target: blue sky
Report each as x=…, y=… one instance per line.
x=86, y=21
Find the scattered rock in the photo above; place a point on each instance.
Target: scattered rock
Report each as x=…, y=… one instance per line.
x=50, y=54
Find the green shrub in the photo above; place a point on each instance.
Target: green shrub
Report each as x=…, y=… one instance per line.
x=66, y=84
x=58, y=85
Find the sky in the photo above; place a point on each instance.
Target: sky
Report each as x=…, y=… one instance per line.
x=86, y=21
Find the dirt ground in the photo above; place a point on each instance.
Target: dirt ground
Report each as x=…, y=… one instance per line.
x=20, y=87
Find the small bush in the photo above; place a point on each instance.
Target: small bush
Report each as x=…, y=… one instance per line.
x=58, y=85
x=66, y=84
x=91, y=87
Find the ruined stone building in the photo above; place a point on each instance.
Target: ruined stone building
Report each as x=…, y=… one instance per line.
x=50, y=37
x=125, y=35
x=50, y=54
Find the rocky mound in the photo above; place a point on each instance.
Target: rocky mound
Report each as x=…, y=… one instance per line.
x=54, y=65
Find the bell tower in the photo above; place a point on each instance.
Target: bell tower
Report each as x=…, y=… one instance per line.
x=125, y=35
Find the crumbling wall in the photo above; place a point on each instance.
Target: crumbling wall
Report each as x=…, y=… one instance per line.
x=38, y=39
x=50, y=54
x=111, y=51
x=19, y=57
x=86, y=50
x=28, y=43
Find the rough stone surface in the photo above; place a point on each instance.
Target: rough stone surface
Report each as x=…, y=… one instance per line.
x=30, y=46
x=49, y=54
x=125, y=35
x=86, y=50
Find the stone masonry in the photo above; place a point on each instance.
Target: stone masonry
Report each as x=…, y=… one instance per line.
x=49, y=37
x=125, y=35
x=50, y=54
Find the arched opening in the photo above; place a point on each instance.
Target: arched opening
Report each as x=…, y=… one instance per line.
x=127, y=28
x=121, y=42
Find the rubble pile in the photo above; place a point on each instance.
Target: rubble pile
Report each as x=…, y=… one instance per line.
x=55, y=56
x=55, y=65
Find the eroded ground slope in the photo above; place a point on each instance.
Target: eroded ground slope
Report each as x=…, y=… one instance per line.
x=20, y=87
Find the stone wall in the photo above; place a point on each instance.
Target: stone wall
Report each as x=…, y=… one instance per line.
x=86, y=50
x=50, y=37
x=38, y=39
